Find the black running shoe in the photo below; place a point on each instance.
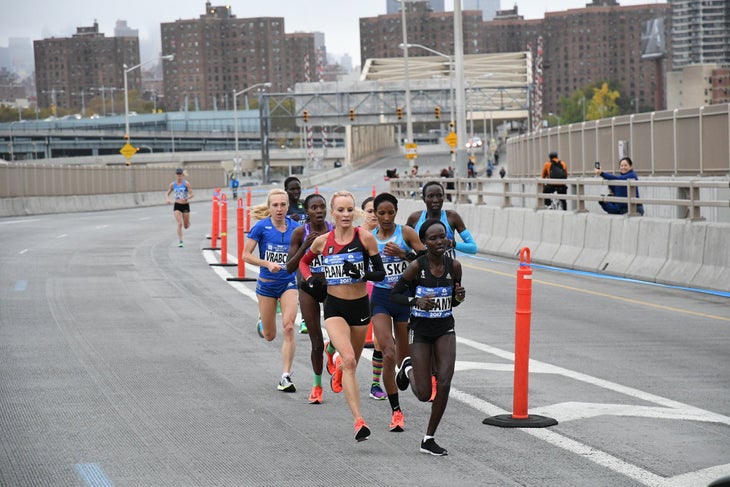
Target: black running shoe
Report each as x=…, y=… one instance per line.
x=430, y=446
x=401, y=379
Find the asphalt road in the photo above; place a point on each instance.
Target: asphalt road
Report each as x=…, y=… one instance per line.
x=127, y=361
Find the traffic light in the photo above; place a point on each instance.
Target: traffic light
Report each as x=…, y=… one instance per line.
x=305, y=116
x=352, y=114
x=399, y=111
x=437, y=112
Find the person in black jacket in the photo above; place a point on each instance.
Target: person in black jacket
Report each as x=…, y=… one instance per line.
x=626, y=171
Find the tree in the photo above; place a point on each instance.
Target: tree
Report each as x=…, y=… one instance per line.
x=603, y=103
x=571, y=109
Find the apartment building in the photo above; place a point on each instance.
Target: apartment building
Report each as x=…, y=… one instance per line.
x=71, y=70
x=218, y=54
x=381, y=36
x=700, y=32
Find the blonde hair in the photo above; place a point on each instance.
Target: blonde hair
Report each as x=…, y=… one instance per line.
x=359, y=213
x=262, y=211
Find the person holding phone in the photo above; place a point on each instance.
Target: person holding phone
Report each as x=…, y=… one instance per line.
x=626, y=171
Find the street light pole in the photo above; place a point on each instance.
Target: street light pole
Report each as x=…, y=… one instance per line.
x=235, y=115
x=404, y=29
x=405, y=47
x=168, y=57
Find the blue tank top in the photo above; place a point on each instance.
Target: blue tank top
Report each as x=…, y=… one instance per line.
x=180, y=190
x=334, y=255
x=273, y=246
x=316, y=267
x=394, y=266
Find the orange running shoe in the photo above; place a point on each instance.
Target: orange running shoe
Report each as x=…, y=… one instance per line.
x=315, y=397
x=396, y=424
x=330, y=360
x=336, y=379
x=362, y=432
x=434, y=384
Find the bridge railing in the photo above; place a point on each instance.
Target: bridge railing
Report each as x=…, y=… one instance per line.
x=690, y=198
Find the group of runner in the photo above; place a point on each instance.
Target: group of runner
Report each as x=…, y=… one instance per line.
x=402, y=278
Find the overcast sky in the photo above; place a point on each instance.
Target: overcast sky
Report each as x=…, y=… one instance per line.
x=338, y=19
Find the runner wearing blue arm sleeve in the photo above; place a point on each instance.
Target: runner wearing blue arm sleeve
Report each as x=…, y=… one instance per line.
x=468, y=246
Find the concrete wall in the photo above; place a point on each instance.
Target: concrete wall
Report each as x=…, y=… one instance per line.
x=674, y=252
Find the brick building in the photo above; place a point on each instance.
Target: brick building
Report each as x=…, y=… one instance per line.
x=381, y=35
x=71, y=70
x=218, y=54
x=581, y=46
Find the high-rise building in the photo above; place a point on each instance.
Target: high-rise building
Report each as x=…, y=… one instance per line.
x=489, y=8
x=700, y=32
x=393, y=6
x=218, y=54
x=381, y=36
x=71, y=70
x=580, y=46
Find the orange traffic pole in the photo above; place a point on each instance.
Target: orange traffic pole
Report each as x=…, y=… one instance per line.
x=374, y=194
x=215, y=218
x=224, y=233
x=248, y=210
x=369, y=343
x=316, y=190
x=224, y=229
x=523, y=313
x=239, y=251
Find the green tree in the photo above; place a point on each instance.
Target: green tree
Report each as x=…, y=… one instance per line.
x=571, y=108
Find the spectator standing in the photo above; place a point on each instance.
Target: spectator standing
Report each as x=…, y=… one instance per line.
x=554, y=168
x=234, y=186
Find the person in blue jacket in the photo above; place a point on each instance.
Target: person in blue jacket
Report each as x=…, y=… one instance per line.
x=626, y=171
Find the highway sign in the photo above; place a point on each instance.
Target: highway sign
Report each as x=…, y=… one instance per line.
x=128, y=151
x=451, y=139
x=411, y=151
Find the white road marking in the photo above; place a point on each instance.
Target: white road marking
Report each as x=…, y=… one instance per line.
x=567, y=411
x=64, y=235
x=12, y=222
x=23, y=251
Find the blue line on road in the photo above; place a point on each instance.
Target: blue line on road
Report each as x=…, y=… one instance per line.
x=21, y=285
x=93, y=475
x=602, y=276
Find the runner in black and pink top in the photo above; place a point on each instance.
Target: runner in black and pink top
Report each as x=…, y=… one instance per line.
x=349, y=258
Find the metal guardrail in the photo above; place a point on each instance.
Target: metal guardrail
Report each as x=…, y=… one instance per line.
x=529, y=192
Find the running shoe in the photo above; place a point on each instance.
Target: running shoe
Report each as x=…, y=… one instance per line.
x=377, y=393
x=434, y=385
x=315, y=397
x=336, y=379
x=260, y=328
x=180, y=244
x=330, y=359
x=401, y=378
x=286, y=385
x=430, y=446
x=303, y=330
x=362, y=432
x=396, y=423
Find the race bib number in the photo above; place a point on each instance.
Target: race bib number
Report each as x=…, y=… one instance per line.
x=440, y=295
x=334, y=273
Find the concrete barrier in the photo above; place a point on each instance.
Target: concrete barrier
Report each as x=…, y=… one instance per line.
x=552, y=230
x=595, y=244
x=572, y=240
x=622, y=235
x=715, y=270
x=686, y=251
x=652, y=249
